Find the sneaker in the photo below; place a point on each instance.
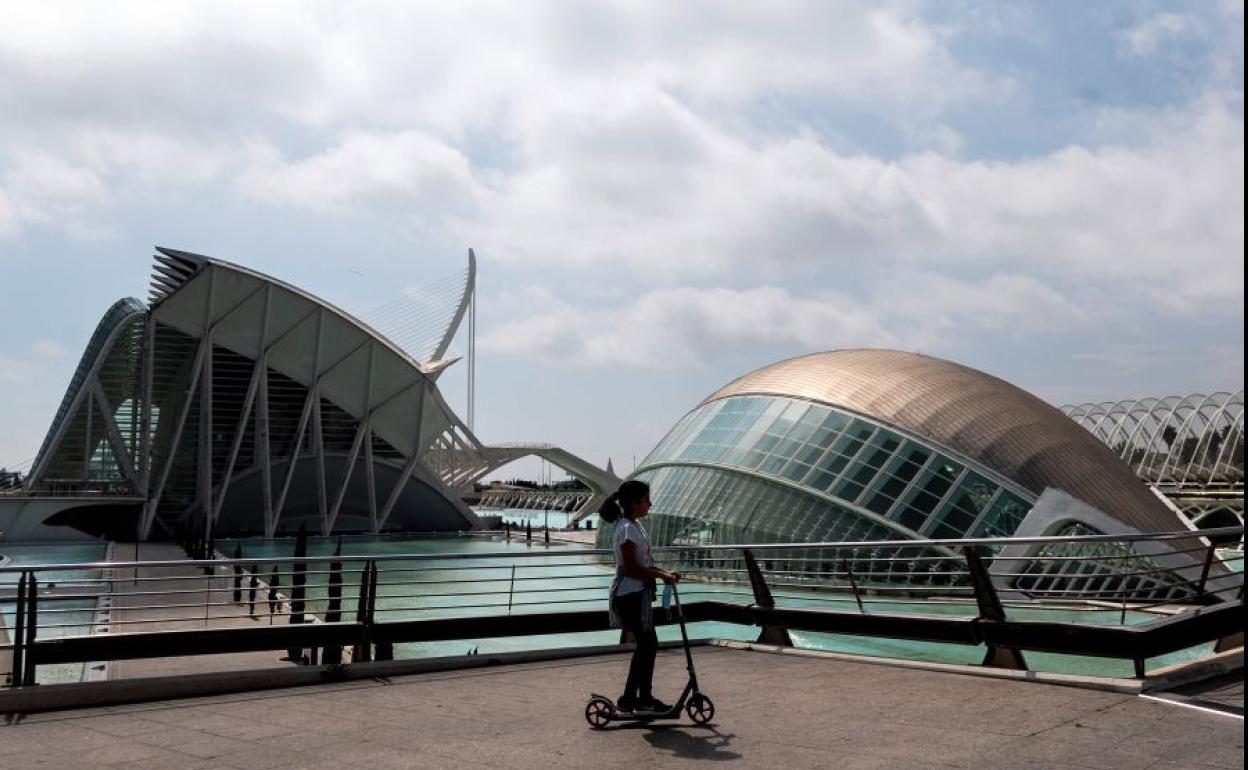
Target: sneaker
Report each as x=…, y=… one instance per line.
x=626, y=705
x=651, y=703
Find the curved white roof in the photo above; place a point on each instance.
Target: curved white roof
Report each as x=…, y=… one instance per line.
x=981, y=417
x=304, y=338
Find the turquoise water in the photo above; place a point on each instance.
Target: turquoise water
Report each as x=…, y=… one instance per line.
x=1232, y=559
x=558, y=581
x=553, y=519
x=57, y=617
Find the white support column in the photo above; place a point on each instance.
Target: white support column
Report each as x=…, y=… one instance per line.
x=318, y=447
x=265, y=458
x=89, y=405
x=411, y=462
x=205, y=407
x=240, y=430
x=318, y=435
x=361, y=432
x=145, y=424
x=354, y=455
x=450, y=474
x=371, y=479
x=149, y=515
x=124, y=460
x=304, y=419
x=205, y=431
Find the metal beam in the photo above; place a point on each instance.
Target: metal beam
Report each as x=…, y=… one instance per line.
x=149, y=516
x=409, y=466
x=125, y=460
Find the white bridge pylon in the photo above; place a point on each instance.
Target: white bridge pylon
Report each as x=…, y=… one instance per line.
x=601, y=482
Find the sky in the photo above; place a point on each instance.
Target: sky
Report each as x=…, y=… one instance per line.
x=662, y=196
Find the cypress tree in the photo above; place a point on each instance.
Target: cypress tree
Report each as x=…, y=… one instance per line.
x=298, y=579
x=333, y=613
x=238, y=575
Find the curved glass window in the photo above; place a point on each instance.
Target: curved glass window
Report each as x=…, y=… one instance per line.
x=863, y=466
x=695, y=505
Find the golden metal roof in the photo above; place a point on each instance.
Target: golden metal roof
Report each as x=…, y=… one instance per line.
x=981, y=417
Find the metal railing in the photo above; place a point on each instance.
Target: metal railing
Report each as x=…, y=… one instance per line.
x=355, y=607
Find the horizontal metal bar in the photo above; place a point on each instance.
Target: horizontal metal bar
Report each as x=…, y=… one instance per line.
x=523, y=555
x=1138, y=641
x=160, y=644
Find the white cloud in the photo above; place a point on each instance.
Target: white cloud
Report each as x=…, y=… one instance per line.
x=686, y=326
x=363, y=167
x=672, y=328
x=8, y=215
x=936, y=309
x=47, y=350
x=647, y=181
x=15, y=369
x=1143, y=38
x=43, y=353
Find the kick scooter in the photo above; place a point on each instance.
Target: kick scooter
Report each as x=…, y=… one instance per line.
x=601, y=710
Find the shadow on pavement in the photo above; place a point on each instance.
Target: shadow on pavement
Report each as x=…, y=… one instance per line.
x=691, y=742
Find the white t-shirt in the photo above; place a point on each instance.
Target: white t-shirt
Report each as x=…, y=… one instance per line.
x=627, y=530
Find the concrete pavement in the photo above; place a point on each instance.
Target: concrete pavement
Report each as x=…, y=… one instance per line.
x=774, y=711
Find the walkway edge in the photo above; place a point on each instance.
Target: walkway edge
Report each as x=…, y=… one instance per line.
x=1171, y=676
x=56, y=697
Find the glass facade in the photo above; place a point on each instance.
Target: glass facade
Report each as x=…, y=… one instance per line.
x=855, y=479
x=772, y=469
x=695, y=506
x=1111, y=571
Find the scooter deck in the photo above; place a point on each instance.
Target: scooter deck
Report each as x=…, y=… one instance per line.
x=641, y=715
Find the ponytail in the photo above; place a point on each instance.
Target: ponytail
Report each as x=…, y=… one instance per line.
x=611, y=509
x=629, y=494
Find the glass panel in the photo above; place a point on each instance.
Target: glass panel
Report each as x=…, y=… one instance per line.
x=765, y=443
x=788, y=418
x=887, y=492
x=833, y=424
x=852, y=440
x=810, y=454
x=1006, y=514
x=795, y=471
x=965, y=505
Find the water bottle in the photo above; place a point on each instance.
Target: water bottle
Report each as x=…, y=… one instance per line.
x=667, y=595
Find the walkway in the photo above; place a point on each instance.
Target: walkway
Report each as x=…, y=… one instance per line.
x=130, y=607
x=775, y=711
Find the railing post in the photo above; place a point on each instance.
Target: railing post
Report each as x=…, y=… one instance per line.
x=853, y=584
x=1204, y=571
x=1236, y=639
x=19, y=634
x=32, y=626
x=990, y=609
x=511, y=588
x=363, y=650
x=762, y=598
x=384, y=650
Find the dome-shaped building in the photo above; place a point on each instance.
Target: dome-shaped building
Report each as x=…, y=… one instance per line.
x=881, y=445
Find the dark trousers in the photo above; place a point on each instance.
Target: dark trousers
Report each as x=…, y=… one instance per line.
x=641, y=670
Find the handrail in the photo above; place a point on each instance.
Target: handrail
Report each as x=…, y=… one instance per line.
x=488, y=556
x=430, y=596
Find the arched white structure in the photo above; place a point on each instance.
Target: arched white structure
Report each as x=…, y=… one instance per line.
x=239, y=403
x=1185, y=443
x=601, y=482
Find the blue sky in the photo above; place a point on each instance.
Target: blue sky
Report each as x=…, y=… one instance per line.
x=662, y=196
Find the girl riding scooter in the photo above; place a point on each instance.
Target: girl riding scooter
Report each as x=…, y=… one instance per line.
x=632, y=591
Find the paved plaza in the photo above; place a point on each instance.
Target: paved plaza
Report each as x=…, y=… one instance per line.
x=774, y=711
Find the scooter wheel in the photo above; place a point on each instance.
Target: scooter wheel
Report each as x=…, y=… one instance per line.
x=700, y=708
x=598, y=712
